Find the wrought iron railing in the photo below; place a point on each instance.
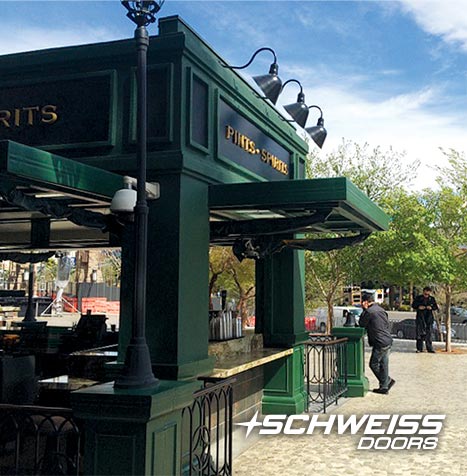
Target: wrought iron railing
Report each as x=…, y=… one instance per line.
x=207, y=430
x=38, y=441
x=325, y=371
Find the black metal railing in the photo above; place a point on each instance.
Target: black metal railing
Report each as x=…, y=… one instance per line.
x=207, y=430
x=38, y=441
x=325, y=371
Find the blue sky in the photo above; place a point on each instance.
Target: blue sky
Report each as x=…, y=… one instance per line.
x=390, y=73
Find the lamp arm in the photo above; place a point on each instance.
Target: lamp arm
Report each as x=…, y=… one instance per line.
x=253, y=57
x=293, y=81
x=319, y=109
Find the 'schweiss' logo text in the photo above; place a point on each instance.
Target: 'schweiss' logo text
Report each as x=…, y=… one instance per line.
x=381, y=432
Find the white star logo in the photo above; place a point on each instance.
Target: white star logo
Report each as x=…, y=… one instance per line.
x=251, y=424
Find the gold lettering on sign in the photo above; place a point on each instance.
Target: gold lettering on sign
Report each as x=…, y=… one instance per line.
x=30, y=111
x=49, y=114
x=5, y=118
x=28, y=116
x=245, y=143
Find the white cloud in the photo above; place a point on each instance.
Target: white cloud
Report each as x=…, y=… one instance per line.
x=409, y=122
x=404, y=122
x=35, y=38
x=445, y=18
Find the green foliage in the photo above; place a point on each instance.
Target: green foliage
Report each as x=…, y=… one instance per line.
x=405, y=307
x=111, y=266
x=374, y=171
x=382, y=175
x=226, y=272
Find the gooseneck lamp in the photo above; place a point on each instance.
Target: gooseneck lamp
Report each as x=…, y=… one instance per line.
x=270, y=83
x=137, y=370
x=318, y=133
x=297, y=110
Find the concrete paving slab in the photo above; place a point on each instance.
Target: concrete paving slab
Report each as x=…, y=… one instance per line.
x=426, y=384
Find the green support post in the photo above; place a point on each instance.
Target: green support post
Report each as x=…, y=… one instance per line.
x=284, y=391
x=177, y=320
x=280, y=317
x=133, y=432
x=356, y=380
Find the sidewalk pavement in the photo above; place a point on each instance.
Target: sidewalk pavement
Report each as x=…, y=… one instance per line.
x=425, y=384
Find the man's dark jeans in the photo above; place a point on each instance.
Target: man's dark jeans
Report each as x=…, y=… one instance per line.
x=379, y=364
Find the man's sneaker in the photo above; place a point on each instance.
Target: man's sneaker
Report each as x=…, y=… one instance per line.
x=419, y=351
x=391, y=384
x=383, y=391
x=432, y=351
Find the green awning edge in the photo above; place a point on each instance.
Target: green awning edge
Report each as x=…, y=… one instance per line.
x=37, y=166
x=337, y=192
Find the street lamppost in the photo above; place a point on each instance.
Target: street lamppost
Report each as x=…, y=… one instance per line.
x=30, y=315
x=137, y=371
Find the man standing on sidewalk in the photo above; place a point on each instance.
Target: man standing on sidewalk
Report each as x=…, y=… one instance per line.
x=375, y=320
x=424, y=304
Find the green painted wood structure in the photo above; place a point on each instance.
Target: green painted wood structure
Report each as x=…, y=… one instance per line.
x=357, y=382
x=222, y=155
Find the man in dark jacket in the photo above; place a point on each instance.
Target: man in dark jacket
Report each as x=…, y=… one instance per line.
x=424, y=304
x=375, y=320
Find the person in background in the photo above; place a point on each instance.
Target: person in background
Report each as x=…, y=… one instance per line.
x=375, y=320
x=424, y=304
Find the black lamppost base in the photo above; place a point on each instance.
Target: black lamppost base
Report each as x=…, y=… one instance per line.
x=137, y=372
x=30, y=315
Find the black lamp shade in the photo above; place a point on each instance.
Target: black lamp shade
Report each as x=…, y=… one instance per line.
x=318, y=133
x=270, y=84
x=298, y=111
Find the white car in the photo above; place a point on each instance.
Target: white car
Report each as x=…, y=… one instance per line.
x=339, y=316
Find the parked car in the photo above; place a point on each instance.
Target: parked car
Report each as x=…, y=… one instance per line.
x=458, y=315
x=339, y=313
x=405, y=329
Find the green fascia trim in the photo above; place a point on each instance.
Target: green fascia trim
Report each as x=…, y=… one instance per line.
x=352, y=333
x=168, y=371
x=338, y=192
x=184, y=371
x=202, y=57
x=38, y=166
x=133, y=405
x=284, y=340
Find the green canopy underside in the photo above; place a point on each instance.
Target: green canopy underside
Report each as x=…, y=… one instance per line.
x=333, y=205
x=236, y=210
x=38, y=175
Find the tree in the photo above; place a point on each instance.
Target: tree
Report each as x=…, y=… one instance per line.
x=445, y=254
x=376, y=172
x=111, y=266
x=326, y=276
x=399, y=254
x=226, y=272
x=381, y=175
x=219, y=261
x=453, y=175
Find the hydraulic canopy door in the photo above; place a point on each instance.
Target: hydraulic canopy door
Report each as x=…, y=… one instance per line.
x=50, y=202
x=260, y=218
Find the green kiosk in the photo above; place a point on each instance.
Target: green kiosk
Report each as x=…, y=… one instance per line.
x=231, y=173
